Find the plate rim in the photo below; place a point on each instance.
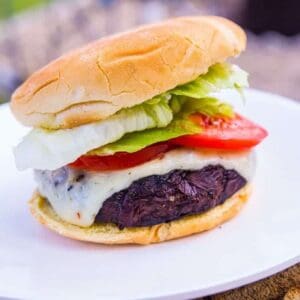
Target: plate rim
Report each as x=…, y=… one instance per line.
x=230, y=285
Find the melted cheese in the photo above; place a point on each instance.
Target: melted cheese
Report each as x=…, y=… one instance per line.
x=77, y=196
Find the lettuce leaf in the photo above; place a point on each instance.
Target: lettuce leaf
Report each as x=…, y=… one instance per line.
x=208, y=106
x=181, y=125
x=136, y=141
x=219, y=76
x=50, y=149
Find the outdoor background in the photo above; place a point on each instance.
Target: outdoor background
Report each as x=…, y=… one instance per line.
x=33, y=32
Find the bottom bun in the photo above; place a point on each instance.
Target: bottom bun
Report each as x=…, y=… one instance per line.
x=111, y=234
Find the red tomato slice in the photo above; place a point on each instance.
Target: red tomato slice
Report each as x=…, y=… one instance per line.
x=237, y=133
x=121, y=160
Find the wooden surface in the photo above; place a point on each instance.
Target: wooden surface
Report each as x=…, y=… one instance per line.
x=284, y=285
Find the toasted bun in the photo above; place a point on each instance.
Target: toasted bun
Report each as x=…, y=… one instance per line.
x=94, y=82
x=111, y=234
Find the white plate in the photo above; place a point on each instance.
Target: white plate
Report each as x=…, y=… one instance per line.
x=265, y=238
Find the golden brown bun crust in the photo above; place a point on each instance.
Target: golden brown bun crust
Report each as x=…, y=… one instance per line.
x=110, y=234
x=94, y=82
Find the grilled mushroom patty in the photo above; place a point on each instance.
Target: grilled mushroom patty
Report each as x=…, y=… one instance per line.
x=162, y=198
x=182, y=182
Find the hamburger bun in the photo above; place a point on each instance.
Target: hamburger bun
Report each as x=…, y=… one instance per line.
x=111, y=234
x=94, y=82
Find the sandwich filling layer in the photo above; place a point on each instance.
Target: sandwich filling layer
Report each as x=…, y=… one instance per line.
x=163, y=198
x=78, y=196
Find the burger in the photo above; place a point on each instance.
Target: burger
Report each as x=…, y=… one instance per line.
x=131, y=142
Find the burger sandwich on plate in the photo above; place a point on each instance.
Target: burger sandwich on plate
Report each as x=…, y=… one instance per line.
x=129, y=143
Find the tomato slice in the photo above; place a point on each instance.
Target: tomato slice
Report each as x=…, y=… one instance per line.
x=121, y=160
x=232, y=134
x=235, y=134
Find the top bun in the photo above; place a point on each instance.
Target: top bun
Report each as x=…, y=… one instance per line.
x=94, y=82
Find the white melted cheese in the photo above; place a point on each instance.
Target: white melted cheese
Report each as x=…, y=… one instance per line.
x=77, y=196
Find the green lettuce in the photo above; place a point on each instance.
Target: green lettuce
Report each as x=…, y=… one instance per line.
x=181, y=125
x=183, y=100
x=219, y=76
x=209, y=106
x=50, y=149
x=136, y=141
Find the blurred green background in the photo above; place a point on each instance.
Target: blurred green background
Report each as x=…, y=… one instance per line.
x=12, y=7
